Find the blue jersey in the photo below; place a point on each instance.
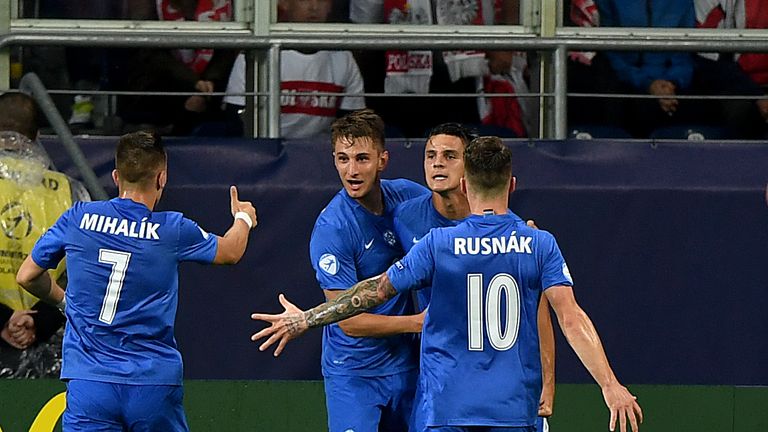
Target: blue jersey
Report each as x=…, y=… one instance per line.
x=413, y=220
x=480, y=363
x=122, y=292
x=350, y=244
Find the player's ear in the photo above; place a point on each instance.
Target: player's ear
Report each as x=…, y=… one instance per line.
x=383, y=160
x=463, y=183
x=116, y=177
x=162, y=179
x=512, y=184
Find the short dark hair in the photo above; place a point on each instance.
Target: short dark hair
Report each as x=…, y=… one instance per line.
x=453, y=129
x=140, y=156
x=487, y=164
x=359, y=124
x=19, y=113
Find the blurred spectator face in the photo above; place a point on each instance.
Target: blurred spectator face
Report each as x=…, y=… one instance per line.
x=309, y=11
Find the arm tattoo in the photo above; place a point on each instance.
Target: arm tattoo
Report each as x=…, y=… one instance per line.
x=293, y=326
x=358, y=299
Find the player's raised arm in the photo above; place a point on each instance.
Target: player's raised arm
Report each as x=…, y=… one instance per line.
x=232, y=245
x=583, y=338
x=293, y=322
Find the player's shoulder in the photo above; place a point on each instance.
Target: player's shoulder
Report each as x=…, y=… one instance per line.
x=522, y=228
x=402, y=189
x=83, y=207
x=412, y=205
x=336, y=220
x=336, y=212
x=401, y=183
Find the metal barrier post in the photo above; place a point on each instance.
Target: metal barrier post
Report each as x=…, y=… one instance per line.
x=5, y=53
x=560, y=71
x=547, y=68
x=262, y=20
x=32, y=85
x=273, y=104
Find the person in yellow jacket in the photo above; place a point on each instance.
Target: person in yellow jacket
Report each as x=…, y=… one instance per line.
x=32, y=197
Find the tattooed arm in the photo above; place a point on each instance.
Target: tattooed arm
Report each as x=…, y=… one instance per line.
x=293, y=322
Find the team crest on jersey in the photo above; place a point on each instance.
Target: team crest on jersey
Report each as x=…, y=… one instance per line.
x=329, y=264
x=567, y=273
x=389, y=237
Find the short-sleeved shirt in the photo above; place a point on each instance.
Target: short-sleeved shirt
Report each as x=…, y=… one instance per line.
x=480, y=362
x=303, y=114
x=122, y=291
x=413, y=220
x=350, y=244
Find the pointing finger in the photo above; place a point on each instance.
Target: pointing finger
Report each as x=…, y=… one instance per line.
x=233, y=194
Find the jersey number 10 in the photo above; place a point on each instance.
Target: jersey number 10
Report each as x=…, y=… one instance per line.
x=488, y=311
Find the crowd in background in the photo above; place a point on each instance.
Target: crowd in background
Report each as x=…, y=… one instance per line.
x=664, y=75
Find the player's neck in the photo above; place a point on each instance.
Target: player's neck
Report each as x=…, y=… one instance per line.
x=451, y=205
x=149, y=199
x=373, y=201
x=481, y=206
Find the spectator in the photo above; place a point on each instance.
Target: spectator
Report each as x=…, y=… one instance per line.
x=32, y=197
x=742, y=15
x=590, y=72
x=306, y=115
x=669, y=74
x=424, y=71
x=179, y=70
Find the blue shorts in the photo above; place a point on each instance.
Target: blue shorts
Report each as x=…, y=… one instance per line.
x=418, y=421
x=101, y=406
x=370, y=404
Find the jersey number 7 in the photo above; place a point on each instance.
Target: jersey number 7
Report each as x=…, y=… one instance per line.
x=488, y=312
x=119, y=262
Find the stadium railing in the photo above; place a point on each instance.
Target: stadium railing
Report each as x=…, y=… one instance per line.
x=257, y=34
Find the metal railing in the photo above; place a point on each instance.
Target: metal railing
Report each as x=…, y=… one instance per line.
x=264, y=40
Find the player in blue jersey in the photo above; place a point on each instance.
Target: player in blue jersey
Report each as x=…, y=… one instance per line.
x=480, y=364
x=369, y=362
x=447, y=206
x=120, y=361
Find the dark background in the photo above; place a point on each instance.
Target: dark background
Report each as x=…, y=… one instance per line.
x=667, y=243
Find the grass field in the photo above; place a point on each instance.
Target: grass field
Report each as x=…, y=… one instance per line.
x=298, y=406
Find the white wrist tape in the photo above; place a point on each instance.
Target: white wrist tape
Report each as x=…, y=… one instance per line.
x=245, y=218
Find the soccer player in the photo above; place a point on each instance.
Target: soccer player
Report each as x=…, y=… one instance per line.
x=120, y=361
x=480, y=357
x=369, y=362
x=447, y=206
